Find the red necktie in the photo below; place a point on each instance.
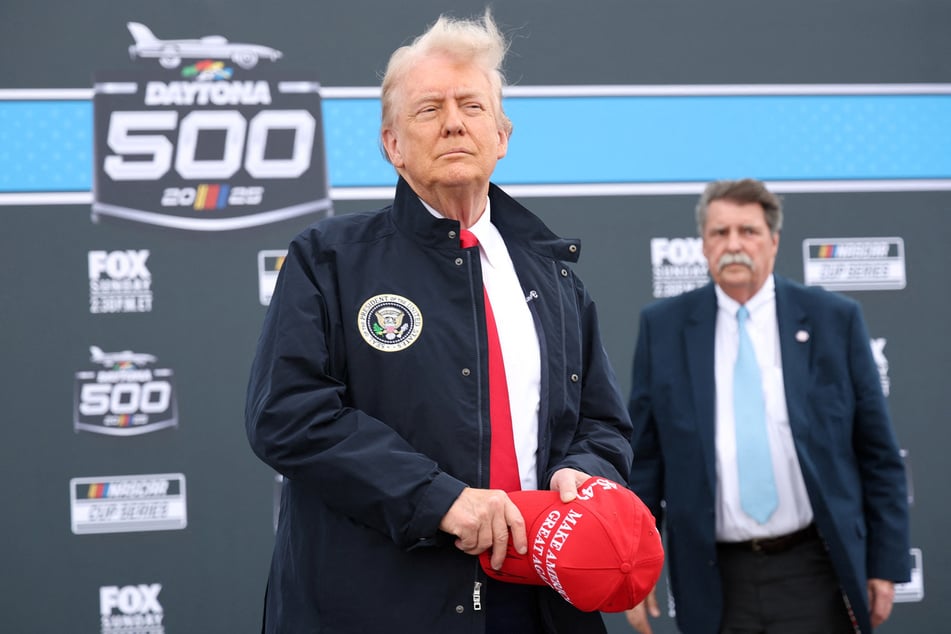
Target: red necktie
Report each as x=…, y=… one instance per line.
x=503, y=465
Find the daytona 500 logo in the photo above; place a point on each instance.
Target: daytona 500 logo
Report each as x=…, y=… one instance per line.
x=196, y=147
x=124, y=396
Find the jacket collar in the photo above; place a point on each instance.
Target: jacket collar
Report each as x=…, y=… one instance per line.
x=699, y=335
x=516, y=224
x=795, y=346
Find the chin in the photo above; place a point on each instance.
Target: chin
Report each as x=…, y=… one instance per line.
x=734, y=281
x=461, y=178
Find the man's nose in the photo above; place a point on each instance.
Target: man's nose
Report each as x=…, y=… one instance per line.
x=733, y=242
x=452, y=123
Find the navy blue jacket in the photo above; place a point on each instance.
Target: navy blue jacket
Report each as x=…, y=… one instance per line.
x=377, y=437
x=840, y=426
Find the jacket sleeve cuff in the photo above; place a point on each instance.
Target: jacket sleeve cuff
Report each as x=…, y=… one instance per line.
x=442, y=492
x=591, y=465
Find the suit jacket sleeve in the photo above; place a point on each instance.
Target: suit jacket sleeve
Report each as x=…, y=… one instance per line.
x=647, y=470
x=883, y=475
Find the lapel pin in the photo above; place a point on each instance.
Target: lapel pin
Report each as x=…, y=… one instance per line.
x=802, y=336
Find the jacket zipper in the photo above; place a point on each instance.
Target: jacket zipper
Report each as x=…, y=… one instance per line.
x=477, y=596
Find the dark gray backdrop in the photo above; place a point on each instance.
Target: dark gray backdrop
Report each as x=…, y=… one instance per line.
x=206, y=312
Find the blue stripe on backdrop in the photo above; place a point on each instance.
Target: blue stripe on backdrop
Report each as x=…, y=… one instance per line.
x=47, y=145
x=700, y=138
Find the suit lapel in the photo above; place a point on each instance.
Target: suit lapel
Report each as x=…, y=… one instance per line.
x=795, y=345
x=699, y=336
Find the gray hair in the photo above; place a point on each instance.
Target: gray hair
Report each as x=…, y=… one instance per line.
x=478, y=42
x=743, y=192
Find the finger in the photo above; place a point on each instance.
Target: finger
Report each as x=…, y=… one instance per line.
x=468, y=539
x=485, y=539
x=466, y=543
x=567, y=487
x=881, y=609
x=881, y=595
x=516, y=526
x=500, y=539
x=566, y=481
x=637, y=618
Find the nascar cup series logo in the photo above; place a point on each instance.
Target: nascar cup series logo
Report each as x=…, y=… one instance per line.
x=677, y=265
x=129, y=503
x=269, y=267
x=119, y=282
x=131, y=609
x=854, y=264
x=389, y=323
x=199, y=141
x=123, y=396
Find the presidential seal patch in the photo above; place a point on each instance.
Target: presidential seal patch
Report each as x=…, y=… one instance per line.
x=389, y=323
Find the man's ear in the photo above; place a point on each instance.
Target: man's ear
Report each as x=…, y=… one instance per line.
x=391, y=147
x=503, y=144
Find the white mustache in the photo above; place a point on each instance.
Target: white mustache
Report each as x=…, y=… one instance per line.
x=734, y=258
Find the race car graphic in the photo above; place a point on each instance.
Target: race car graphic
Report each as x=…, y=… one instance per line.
x=171, y=52
x=126, y=357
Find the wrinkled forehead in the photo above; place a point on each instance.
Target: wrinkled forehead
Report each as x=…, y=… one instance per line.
x=726, y=213
x=438, y=75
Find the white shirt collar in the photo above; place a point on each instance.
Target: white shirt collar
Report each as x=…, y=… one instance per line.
x=763, y=296
x=490, y=240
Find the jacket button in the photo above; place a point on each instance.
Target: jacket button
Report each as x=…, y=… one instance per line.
x=458, y=261
x=573, y=248
x=564, y=272
x=574, y=378
x=465, y=372
x=452, y=235
x=460, y=609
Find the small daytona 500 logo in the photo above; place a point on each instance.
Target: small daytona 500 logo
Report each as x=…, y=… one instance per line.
x=124, y=396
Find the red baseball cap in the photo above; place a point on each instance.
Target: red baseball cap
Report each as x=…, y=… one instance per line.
x=601, y=551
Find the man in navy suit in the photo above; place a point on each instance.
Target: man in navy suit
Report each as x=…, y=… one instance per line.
x=784, y=504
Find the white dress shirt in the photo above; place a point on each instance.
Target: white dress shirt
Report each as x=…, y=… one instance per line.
x=794, y=510
x=518, y=340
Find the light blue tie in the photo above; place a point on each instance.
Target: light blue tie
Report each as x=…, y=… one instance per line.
x=757, y=484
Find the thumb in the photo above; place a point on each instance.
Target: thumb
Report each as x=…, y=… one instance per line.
x=651, y=601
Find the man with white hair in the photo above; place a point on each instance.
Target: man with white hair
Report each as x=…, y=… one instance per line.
x=418, y=362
